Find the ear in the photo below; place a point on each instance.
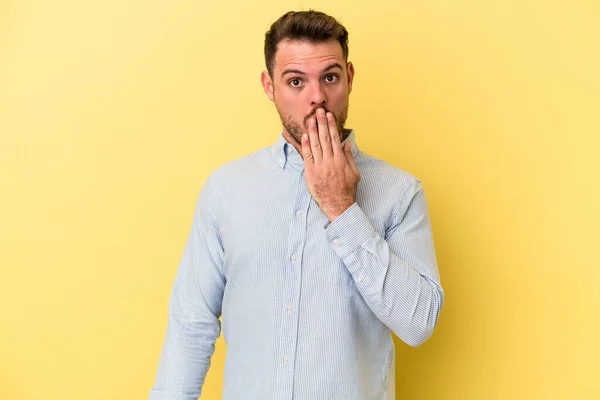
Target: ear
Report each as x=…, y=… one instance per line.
x=350, y=69
x=267, y=84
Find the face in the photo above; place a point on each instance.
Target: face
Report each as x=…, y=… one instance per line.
x=308, y=76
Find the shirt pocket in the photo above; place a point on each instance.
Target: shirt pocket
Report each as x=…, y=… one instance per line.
x=334, y=270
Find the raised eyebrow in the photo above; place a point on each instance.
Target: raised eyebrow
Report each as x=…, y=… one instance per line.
x=298, y=72
x=292, y=71
x=332, y=66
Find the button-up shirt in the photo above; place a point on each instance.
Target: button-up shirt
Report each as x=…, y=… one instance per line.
x=307, y=306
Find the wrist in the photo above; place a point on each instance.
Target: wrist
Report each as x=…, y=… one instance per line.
x=339, y=211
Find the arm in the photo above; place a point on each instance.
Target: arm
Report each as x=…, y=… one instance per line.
x=396, y=275
x=194, y=310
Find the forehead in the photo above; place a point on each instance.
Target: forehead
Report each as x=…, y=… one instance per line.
x=307, y=56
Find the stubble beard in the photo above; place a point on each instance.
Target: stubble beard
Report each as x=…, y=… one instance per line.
x=296, y=130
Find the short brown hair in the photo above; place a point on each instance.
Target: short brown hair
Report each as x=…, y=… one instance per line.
x=312, y=26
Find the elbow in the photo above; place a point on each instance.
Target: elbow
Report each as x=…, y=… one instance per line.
x=418, y=337
x=421, y=329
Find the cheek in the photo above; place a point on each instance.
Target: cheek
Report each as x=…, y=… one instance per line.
x=338, y=99
x=291, y=103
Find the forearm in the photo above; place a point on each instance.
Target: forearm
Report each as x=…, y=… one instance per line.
x=406, y=301
x=397, y=276
x=185, y=358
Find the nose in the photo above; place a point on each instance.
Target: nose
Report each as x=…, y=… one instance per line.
x=317, y=96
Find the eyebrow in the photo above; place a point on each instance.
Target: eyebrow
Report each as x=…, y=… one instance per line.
x=297, y=71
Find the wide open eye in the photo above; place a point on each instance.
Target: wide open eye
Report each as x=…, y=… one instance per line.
x=296, y=82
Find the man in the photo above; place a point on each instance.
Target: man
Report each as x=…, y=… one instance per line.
x=309, y=269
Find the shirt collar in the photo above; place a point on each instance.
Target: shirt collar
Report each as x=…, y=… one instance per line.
x=285, y=153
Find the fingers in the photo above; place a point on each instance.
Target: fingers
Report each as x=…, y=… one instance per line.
x=315, y=143
x=336, y=144
x=324, y=140
x=324, y=133
x=306, y=151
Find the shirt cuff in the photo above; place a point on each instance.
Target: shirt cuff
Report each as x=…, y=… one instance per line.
x=348, y=231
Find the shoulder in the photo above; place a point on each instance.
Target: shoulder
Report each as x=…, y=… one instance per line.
x=239, y=169
x=229, y=179
x=387, y=190
x=382, y=176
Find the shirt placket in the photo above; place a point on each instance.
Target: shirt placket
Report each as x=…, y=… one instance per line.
x=292, y=286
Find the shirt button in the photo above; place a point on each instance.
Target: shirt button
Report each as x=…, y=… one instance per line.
x=361, y=278
x=299, y=212
x=289, y=307
x=281, y=159
x=285, y=358
x=294, y=257
x=336, y=241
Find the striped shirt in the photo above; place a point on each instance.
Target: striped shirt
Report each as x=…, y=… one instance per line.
x=307, y=307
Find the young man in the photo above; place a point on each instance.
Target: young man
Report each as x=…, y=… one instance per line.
x=311, y=251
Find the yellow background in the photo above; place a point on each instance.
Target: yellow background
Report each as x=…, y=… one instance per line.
x=113, y=113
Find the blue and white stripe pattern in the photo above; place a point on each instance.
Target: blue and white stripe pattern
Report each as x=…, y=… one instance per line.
x=307, y=307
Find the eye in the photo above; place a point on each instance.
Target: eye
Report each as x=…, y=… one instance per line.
x=295, y=82
x=331, y=78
